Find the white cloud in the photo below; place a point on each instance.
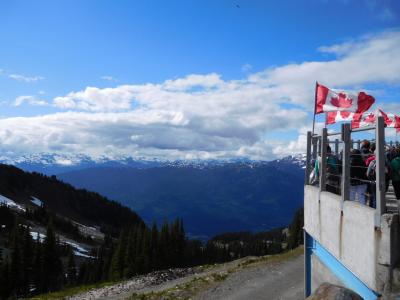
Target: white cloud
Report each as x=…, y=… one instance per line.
x=108, y=78
x=204, y=116
x=24, y=78
x=247, y=67
x=31, y=100
x=203, y=81
x=96, y=99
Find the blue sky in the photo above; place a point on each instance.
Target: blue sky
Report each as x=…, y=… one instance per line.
x=184, y=79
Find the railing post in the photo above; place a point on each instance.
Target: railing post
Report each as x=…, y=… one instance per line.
x=358, y=144
x=380, y=171
x=337, y=147
x=322, y=170
x=308, y=159
x=314, y=148
x=319, y=145
x=346, y=132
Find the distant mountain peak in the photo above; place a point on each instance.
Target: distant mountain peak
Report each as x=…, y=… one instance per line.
x=55, y=163
x=296, y=159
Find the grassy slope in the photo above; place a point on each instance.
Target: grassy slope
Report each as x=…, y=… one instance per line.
x=72, y=291
x=202, y=282
x=210, y=276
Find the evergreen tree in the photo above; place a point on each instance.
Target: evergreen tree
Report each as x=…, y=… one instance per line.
x=5, y=286
x=296, y=230
x=181, y=242
x=82, y=274
x=71, y=269
x=129, y=269
x=139, y=243
x=37, y=273
x=27, y=259
x=52, y=265
x=118, y=259
x=146, y=250
x=164, y=246
x=16, y=271
x=154, y=247
x=106, y=254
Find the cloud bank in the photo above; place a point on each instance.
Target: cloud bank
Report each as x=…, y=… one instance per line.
x=203, y=116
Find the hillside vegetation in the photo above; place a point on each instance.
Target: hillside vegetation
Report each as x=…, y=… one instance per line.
x=209, y=199
x=53, y=236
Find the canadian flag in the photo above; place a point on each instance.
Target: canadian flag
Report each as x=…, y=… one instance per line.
x=368, y=119
x=329, y=100
x=333, y=117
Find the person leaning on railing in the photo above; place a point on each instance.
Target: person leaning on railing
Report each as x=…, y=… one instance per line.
x=365, y=149
x=370, y=163
x=332, y=172
x=371, y=175
x=395, y=166
x=358, y=177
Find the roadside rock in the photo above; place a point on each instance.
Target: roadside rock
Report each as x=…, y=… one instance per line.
x=328, y=291
x=134, y=284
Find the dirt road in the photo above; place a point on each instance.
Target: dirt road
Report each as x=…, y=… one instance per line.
x=278, y=281
x=251, y=278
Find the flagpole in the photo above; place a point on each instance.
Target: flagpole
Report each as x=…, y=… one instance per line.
x=315, y=106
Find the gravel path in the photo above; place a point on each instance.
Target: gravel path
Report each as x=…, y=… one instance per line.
x=279, y=281
x=136, y=284
x=264, y=280
x=153, y=282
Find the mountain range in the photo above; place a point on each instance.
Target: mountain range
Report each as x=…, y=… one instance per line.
x=211, y=197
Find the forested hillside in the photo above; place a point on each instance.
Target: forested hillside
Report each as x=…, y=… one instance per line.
x=83, y=206
x=43, y=247
x=209, y=199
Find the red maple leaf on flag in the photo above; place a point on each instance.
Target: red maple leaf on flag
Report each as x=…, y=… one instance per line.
x=388, y=121
x=341, y=101
x=345, y=114
x=370, y=118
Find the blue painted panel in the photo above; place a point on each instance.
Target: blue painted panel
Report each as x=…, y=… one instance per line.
x=336, y=267
x=309, y=246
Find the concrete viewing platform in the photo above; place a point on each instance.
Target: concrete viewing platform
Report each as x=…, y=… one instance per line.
x=348, y=243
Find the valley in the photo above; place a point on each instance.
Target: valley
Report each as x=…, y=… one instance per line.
x=210, y=198
x=90, y=239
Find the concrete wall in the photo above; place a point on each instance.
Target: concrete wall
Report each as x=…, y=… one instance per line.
x=321, y=274
x=351, y=237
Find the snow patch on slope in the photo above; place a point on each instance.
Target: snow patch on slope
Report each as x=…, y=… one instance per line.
x=35, y=236
x=36, y=201
x=10, y=203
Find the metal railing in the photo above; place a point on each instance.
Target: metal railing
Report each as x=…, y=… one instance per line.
x=317, y=151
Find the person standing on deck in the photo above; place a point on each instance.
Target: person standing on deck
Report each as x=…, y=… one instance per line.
x=371, y=188
x=358, y=177
x=395, y=166
x=332, y=172
x=365, y=149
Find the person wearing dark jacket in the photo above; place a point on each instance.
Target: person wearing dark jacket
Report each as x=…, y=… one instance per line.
x=365, y=149
x=395, y=165
x=358, y=175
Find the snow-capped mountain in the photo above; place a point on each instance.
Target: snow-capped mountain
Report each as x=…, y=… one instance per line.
x=53, y=164
x=259, y=195
x=297, y=159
